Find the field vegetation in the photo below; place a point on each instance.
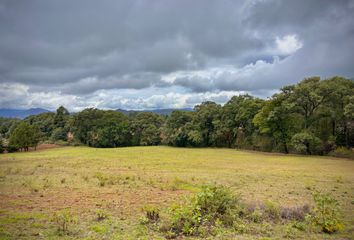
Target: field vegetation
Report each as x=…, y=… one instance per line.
x=160, y=192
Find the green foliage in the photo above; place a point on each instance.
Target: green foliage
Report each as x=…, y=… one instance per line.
x=61, y=117
x=98, y=128
x=152, y=213
x=146, y=129
x=45, y=123
x=6, y=125
x=272, y=210
x=24, y=136
x=327, y=213
x=306, y=142
x=312, y=117
x=213, y=205
x=59, y=134
x=63, y=220
x=342, y=152
x=102, y=215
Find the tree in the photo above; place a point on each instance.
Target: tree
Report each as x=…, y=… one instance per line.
x=308, y=98
x=24, y=136
x=146, y=129
x=45, y=123
x=236, y=120
x=6, y=124
x=61, y=117
x=202, y=122
x=277, y=120
x=176, y=130
x=98, y=128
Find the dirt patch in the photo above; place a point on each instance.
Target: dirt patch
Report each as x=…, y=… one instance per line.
x=122, y=201
x=45, y=146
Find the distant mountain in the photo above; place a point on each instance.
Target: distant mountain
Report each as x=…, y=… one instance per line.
x=21, y=113
x=162, y=111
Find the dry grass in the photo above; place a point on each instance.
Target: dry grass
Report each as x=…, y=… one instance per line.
x=122, y=181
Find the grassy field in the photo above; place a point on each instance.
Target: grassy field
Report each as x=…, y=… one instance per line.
x=118, y=183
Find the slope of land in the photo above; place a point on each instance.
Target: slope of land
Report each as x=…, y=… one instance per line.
x=121, y=181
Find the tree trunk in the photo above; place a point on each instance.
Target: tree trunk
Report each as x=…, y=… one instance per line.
x=308, y=148
x=285, y=147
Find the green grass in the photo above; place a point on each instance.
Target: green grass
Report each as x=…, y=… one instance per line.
x=122, y=181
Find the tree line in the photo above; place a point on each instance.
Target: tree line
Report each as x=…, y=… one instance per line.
x=312, y=117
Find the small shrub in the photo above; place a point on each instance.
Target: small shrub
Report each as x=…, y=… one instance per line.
x=11, y=148
x=326, y=214
x=306, y=142
x=342, y=152
x=152, y=213
x=63, y=219
x=301, y=226
x=272, y=210
x=256, y=216
x=101, y=229
x=102, y=179
x=240, y=227
x=101, y=215
x=212, y=205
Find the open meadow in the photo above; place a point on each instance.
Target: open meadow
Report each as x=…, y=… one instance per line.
x=105, y=191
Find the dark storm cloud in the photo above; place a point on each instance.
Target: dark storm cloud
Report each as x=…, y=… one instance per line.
x=46, y=42
x=75, y=48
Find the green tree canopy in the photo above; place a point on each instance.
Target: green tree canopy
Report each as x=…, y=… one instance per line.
x=24, y=136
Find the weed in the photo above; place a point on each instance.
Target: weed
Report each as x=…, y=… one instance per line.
x=256, y=216
x=272, y=210
x=101, y=229
x=102, y=215
x=326, y=214
x=102, y=179
x=63, y=219
x=213, y=204
x=152, y=213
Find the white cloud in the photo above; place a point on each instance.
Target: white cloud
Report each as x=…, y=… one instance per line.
x=288, y=44
x=151, y=98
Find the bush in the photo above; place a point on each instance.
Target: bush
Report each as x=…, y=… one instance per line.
x=11, y=148
x=272, y=210
x=152, y=213
x=213, y=205
x=305, y=142
x=326, y=214
x=63, y=219
x=342, y=152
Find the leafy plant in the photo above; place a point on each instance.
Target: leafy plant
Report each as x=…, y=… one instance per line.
x=102, y=215
x=213, y=205
x=63, y=219
x=152, y=213
x=272, y=210
x=326, y=214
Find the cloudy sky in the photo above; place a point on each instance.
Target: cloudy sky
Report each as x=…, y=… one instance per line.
x=139, y=54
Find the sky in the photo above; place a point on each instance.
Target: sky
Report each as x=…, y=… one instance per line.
x=139, y=54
